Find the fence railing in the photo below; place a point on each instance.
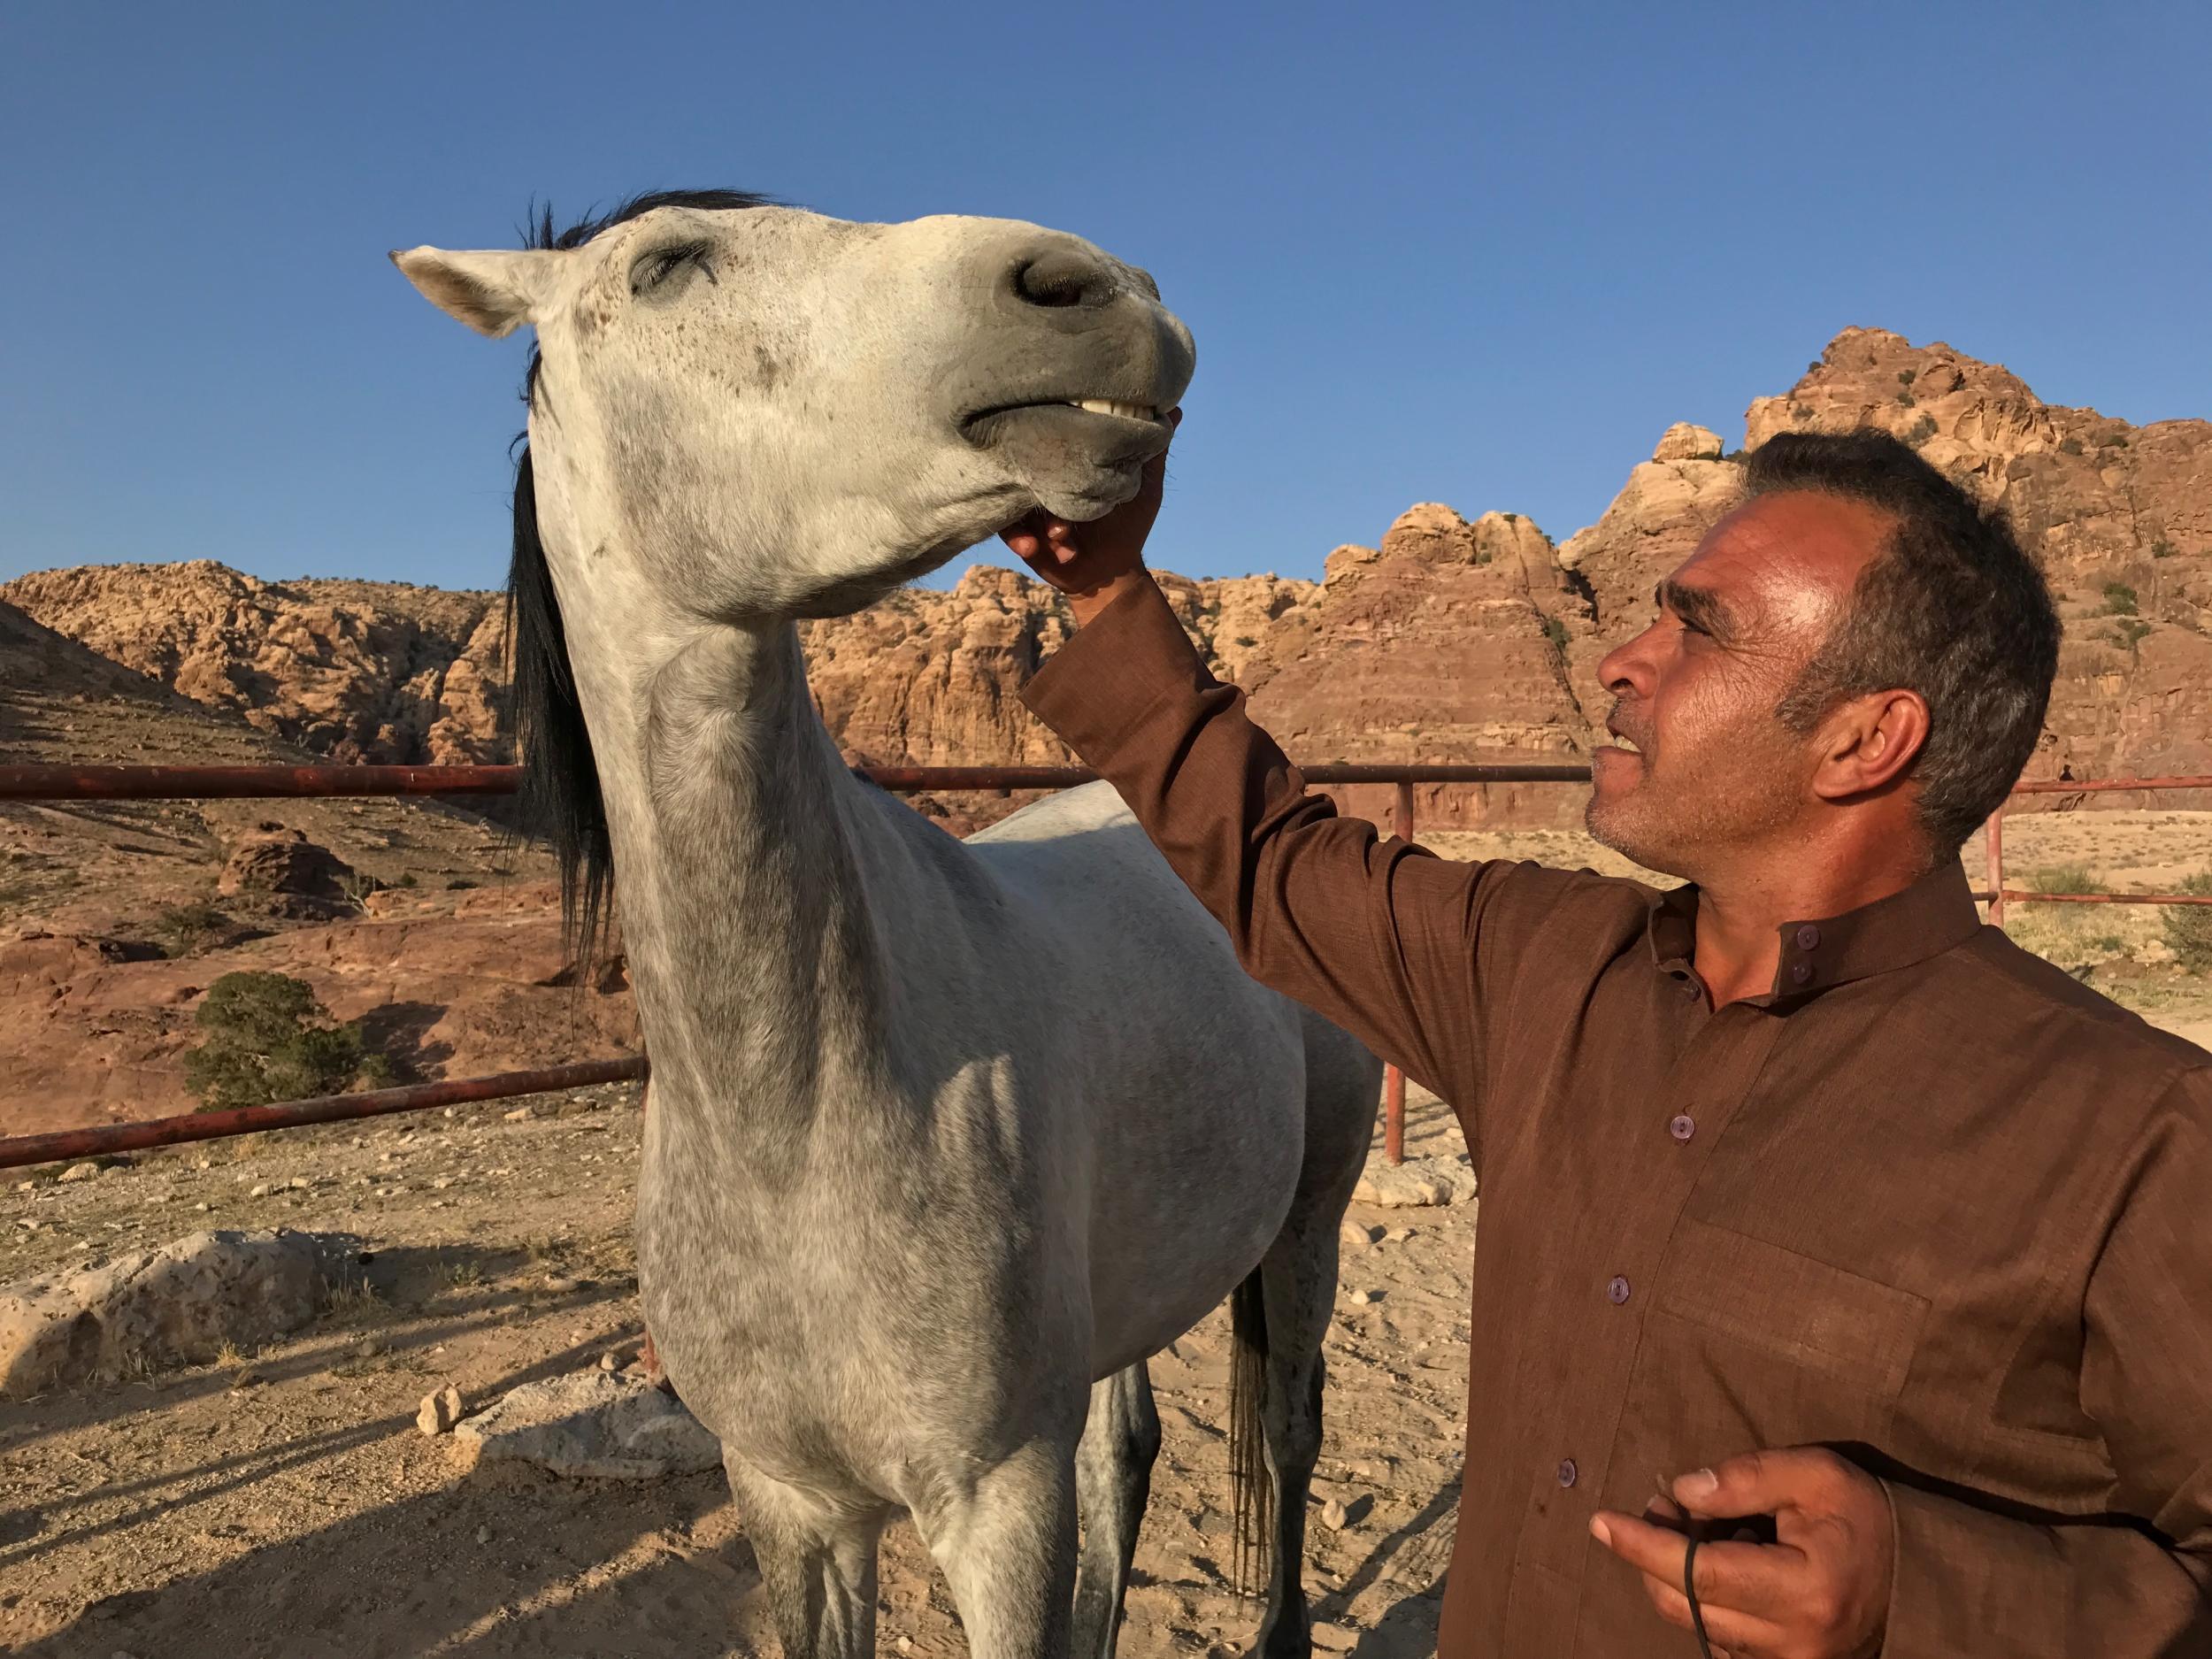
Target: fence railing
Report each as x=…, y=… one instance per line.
x=185, y=783
x=1999, y=895
x=154, y=783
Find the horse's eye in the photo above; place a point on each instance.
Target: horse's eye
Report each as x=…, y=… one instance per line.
x=655, y=268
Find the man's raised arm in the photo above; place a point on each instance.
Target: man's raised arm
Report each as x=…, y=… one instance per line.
x=1376, y=935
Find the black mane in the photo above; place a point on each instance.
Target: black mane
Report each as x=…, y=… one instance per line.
x=559, y=797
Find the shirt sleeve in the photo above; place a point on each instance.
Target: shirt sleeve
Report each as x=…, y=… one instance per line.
x=1969, y=1580
x=1376, y=935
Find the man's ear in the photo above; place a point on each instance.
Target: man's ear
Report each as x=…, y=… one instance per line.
x=1870, y=741
x=492, y=292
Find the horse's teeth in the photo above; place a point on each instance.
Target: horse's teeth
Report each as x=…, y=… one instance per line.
x=1110, y=406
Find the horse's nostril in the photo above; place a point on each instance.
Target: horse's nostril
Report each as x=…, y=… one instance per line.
x=1066, y=276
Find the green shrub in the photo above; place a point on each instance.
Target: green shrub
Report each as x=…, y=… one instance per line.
x=2130, y=630
x=185, y=928
x=2188, y=927
x=2069, y=446
x=1555, y=631
x=269, y=1039
x=1920, y=431
x=1905, y=376
x=2065, y=878
x=2162, y=549
x=2112, y=441
x=2119, y=599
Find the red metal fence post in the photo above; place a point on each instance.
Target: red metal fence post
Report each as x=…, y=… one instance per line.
x=1393, y=1080
x=1994, y=833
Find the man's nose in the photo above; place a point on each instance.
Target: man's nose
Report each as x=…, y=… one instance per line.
x=1626, y=668
x=1613, y=670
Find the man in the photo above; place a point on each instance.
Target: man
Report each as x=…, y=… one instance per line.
x=1796, y=1176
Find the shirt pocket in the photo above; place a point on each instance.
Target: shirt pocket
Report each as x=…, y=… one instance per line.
x=1809, y=1315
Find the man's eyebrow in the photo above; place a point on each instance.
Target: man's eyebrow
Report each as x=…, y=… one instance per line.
x=1699, y=607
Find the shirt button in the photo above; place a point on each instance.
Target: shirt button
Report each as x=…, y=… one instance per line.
x=1682, y=1127
x=1802, y=972
x=1690, y=987
x=1568, y=1472
x=1808, y=938
x=1617, y=1291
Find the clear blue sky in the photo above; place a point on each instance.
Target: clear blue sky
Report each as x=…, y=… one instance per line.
x=1473, y=254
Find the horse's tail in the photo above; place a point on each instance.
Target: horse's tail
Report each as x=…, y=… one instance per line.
x=1249, y=1473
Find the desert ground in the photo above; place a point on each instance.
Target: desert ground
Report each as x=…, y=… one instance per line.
x=283, y=1502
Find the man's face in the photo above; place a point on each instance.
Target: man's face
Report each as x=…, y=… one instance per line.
x=1714, y=775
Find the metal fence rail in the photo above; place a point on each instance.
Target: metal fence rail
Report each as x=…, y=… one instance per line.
x=176, y=783
x=104, y=1139
x=213, y=783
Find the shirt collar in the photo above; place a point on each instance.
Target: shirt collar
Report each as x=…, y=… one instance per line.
x=1933, y=914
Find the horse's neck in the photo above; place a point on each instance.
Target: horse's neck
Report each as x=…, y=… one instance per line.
x=757, y=962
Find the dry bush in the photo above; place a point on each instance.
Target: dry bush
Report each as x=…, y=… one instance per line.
x=2188, y=927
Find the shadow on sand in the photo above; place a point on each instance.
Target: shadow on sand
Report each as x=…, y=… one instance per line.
x=507, y=1561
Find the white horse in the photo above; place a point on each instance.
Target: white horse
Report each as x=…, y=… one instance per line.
x=947, y=1137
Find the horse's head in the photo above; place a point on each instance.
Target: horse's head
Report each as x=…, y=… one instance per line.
x=758, y=412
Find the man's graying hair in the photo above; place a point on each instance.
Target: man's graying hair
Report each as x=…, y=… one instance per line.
x=1953, y=609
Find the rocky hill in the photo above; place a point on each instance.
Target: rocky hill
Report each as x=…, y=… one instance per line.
x=355, y=670
x=1452, y=638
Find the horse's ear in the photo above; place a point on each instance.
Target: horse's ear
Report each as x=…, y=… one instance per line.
x=492, y=292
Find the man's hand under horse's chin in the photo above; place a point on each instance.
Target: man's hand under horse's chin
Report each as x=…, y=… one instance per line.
x=1093, y=564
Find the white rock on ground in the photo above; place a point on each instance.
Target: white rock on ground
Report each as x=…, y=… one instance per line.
x=1416, y=1183
x=180, y=1304
x=593, y=1422
x=440, y=1411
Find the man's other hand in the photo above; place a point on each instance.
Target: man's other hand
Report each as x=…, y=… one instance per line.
x=1820, y=1591
x=1093, y=564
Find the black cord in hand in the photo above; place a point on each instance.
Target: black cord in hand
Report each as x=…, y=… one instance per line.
x=1689, y=1589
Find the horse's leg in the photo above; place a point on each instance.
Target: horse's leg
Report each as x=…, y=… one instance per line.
x=1298, y=1289
x=1298, y=1293
x=818, y=1566
x=647, y=1355
x=1113, y=1478
x=1005, y=1537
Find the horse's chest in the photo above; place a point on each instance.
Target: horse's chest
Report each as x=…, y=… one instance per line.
x=819, y=1323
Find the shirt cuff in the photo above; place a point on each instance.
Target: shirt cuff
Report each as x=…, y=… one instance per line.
x=1966, y=1581
x=1096, y=688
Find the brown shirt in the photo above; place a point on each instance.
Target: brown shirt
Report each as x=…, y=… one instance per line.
x=1929, y=1201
